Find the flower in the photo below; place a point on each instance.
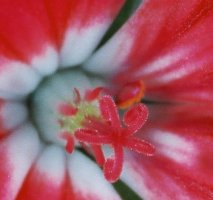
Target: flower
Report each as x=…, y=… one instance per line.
x=162, y=53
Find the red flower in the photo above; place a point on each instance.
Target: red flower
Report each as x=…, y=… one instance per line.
x=163, y=53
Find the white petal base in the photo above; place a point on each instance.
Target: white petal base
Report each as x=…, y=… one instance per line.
x=17, y=80
x=56, y=90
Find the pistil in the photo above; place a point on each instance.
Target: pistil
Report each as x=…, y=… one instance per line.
x=94, y=121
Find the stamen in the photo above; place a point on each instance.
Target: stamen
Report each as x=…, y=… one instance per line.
x=67, y=109
x=69, y=141
x=109, y=111
x=77, y=96
x=91, y=136
x=130, y=94
x=140, y=146
x=93, y=94
x=98, y=154
x=115, y=134
x=113, y=166
x=73, y=114
x=94, y=121
x=135, y=117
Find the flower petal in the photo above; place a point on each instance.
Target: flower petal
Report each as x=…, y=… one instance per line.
x=26, y=35
x=182, y=165
x=86, y=29
x=16, y=79
x=46, y=178
x=18, y=152
x=11, y=115
x=82, y=173
x=166, y=44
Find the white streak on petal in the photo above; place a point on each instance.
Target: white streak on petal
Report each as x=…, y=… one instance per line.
x=137, y=177
x=88, y=180
x=17, y=80
x=47, y=62
x=52, y=164
x=108, y=59
x=175, y=74
x=180, y=72
x=21, y=150
x=132, y=178
x=13, y=114
x=80, y=42
x=175, y=147
x=162, y=63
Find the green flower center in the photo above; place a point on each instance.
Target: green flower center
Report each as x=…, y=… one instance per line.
x=84, y=109
x=57, y=89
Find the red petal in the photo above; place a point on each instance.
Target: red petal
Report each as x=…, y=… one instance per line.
x=159, y=178
x=37, y=23
x=37, y=32
x=18, y=152
x=182, y=164
x=109, y=111
x=87, y=180
x=26, y=32
x=135, y=117
x=168, y=45
x=46, y=178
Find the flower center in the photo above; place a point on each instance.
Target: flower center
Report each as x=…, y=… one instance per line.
x=58, y=91
x=72, y=114
x=70, y=108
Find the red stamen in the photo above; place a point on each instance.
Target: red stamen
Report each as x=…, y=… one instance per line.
x=70, y=144
x=130, y=94
x=113, y=166
x=95, y=124
x=108, y=129
x=67, y=109
x=77, y=96
x=140, y=146
x=109, y=111
x=93, y=94
x=98, y=154
x=113, y=133
x=135, y=117
x=91, y=136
